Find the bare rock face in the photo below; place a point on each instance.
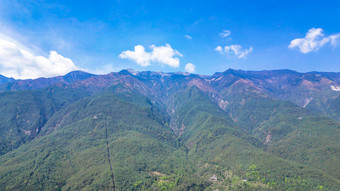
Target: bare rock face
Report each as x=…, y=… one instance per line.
x=213, y=178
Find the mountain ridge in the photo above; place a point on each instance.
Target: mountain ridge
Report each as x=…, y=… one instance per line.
x=312, y=89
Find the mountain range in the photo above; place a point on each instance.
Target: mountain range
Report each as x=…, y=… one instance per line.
x=130, y=130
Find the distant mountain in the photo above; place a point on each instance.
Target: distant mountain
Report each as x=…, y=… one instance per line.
x=130, y=130
x=12, y=85
x=4, y=79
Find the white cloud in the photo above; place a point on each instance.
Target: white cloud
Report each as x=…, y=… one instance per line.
x=138, y=55
x=20, y=62
x=225, y=33
x=313, y=41
x=219, y=49
x=188, y=37
x=161, y=54
x=234, y=49
x=190, y=68
x=237, y=50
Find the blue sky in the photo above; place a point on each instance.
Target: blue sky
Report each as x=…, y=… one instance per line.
x=48, y=38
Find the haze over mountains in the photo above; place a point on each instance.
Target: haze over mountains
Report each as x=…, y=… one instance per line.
x=233, y=130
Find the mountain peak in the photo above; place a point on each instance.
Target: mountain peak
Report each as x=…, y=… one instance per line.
x=76, y=75
x=132, y=71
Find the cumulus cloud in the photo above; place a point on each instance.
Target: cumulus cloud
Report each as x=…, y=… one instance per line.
x=190, y=68
x=188, y=37
x=138, y=55
x=18, y=61
x=313, y=41
x=161, y=54
x=219, y=49
x=225, y=33
x=235, y=49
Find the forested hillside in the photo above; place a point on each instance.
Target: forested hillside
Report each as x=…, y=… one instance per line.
x=235, y=130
